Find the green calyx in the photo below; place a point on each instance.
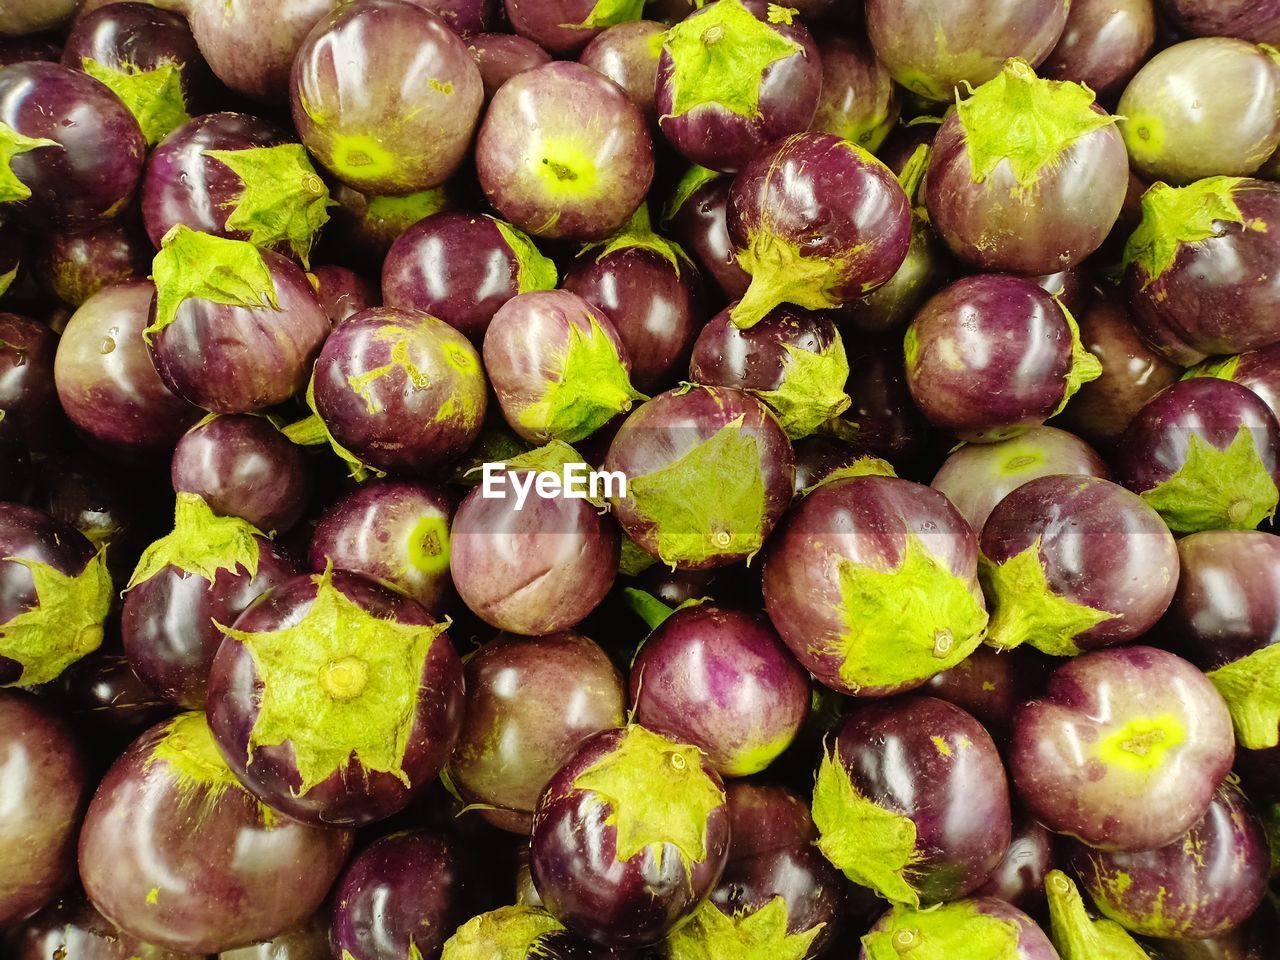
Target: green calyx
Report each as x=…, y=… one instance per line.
x=64, y=625
x=199, y=266
x=6, y=281
x=657, y=794
x=1030, y=122
x=1174, y=216
x=694, y=513
x=633, y=560
x=762, y=935
x=509, y=933
x=638, y=232
x=1216, y=489
x=812, y=388
x=13, y=143
x=906, y=624
x=201, y=544
x=647, y=607
x=533, y=271
x=553, y=458
x=1251, y=687
x=609, y=13
x=1220, y=368
x=862, y=467
x=913, y=172
x=872, y=846
x=341, y=686
x=948, y=932
x=594, y=387
x=1076, y=935
x=1024, y=609
x=312, y=431
x=692, y=181
x=392, y=216
x=154, y=97
x=719, y=58
x=1085, y=367
x=188, y=749
x=284, y=200
x=780, y=273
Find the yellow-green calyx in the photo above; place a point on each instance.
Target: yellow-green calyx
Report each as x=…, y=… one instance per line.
x=657, y=794
x=913, y=172
x=1143, y=743
x=719, y=58
x=1174, y=216
x=906, y=624
x=1076, y=935
x=633, y=560
x=638, y=232
x=862, y=467
x=694, y=514
x=692, y=181
x=552, y=457
x=609, y=13
x=948, y=932
x=198, y=266
x=340, y=685
x=1085, y=367
x=812, y=388
x=64, y=625
x=1220, y=368
x=762, y=935
x=392, y=216
x=1251, y=687
x=533, y=271
x=188, y=749
x=509, y=933
x=13, y=143
x=1025, y=609
x=780, y=273
x=1216, y=489
x=312, y=431
x=1029, y=122
x=154, y=97
x=201, y=544
x=283, y=201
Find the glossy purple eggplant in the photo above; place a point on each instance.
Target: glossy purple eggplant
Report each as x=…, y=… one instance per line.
x=1252, y=941
x=1020, y=878
x=819, y=456
x=70, y=927
x=628, y=54
x=1256, y=22
x=76, y=264
x=991, y=684
x=107, y=704
x=500, y=56
x=563, y=26
x=1103, y=45
x=523, y=932
x=859, y=100
x=957, y=929
x=883, y=419
x=1256, y=370
x=27, y=393
x=343, y=293
x=369, y=224
x=466, y=18
x=696, y=215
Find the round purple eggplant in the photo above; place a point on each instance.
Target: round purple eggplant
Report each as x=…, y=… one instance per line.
x=977, y=476
x=992, y=355
x=45, y=787
x=817, y=221
x=1248, y=20
x=531, y=566
x=28, y=397
x=1202, y=108
x=76, y=264
x=697, y=216
x=602, y=863
x=462, y=268
x=370, y=224
x=872, y=582
x=563, y=26
x=1072, y=563
x=1204, y=453
x=71, y=928
x=1125, y=749
x=883, y=420
x=1256, y=370
x=73, y=151
x=107, y=703
x=1103, y=45
x=820, y=456
x=401, y=896
x=242, y=466
x=722, y=680
x=933, y=47
x=398, y=390
x=793, y=360
x=394, y=134
x=106, y=382
x=392, y=531
x=522, y=932
x=530, y=703
x=500, y=56
x=985, y=926
x=1198, y=271
x=343, y=293
x=177, y=853
x=1004, y=204
x=202, y=574
x=675, y=452
x=628, y=54
x=992, y=684
x=564, y=153
x=733, y=78
x=859, y=100
x=466, y=18
x=1020, y=878
x=912, y=801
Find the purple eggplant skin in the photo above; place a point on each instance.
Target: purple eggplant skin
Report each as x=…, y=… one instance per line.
x=1104, y=44
x=933, y=46
x=989, y=357
x=628, y=54
x=1019, y=880
x=859, y=101
x=500, y=56
x=71, y=927
x=1132, y=373
x=992, y=684
x=353, y=794
x=1175, y=111
x=106, y=382
x=700, y=224
x=575, y=861
x=392, y=531
x=1255, y=22
x=343, y=293
x=27, y=393
x=933, y=763
x=552, y=24
x=722, y=680
x=242, y=466
x=1256, y=370
x=721, y=136
x=169, y=622
x=403, y=893
x=1124, y=750
x=530, y=703
x=466, y=18
x=233, y=875
x=887, y=423
x=819, y=456
x=91, y=171
x=1032, y=944
x=1204, y=884
x=76, y=264
x=977, y=476
x=536, y=570
x=411, y=414
x=564, y=153
x=310, y=941
x=410, y=131
x=45, y=786
x=367, y=225
x=107, y=704
x=458, y=267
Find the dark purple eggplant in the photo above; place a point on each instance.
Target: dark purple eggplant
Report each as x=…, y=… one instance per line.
x=70, y=927
x=629, y=54
x=992, y=684
x=370, y=224
x=563, y=26
x=1103, y=45
x=500, y=56
x=466, y=18
x=1020, y=878
x=1256, y=370
x=28, y=398
x=343, y=293
x=1258, y=22
x=859, y=100
x=696, y=215
x=76, y=264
